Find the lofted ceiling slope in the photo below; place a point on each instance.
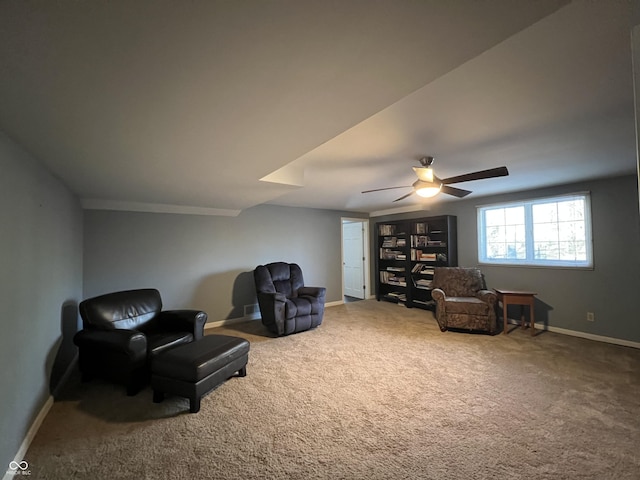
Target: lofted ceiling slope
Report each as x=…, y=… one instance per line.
x=186, y=106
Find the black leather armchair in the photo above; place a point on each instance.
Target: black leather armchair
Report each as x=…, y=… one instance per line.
x=286, y=305
x=124, y=330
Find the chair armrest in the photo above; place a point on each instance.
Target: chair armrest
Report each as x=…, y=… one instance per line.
x=439, y=296
x=272, y=298
x=191, y=321
x=487, y=296
x=131, y=342
x=272, y=308
x=318, y=292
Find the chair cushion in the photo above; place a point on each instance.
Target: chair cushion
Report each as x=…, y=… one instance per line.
x=466, y=305
x=130, y=309
x=458, y=281
x=281, y=277
x=297, y=307
x=194, y=361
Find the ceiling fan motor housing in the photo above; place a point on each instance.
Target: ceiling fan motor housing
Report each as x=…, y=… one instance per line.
x=426, y=161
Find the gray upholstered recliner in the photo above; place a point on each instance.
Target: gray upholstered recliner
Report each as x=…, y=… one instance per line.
x=123, y=331
x=286, y=305
x=462, y=300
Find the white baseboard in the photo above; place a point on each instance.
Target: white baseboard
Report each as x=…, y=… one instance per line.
x=334, y=304
x=35, y=426
x=230, y=321
x=254, y=316
x=591, y=336
x=588, y=336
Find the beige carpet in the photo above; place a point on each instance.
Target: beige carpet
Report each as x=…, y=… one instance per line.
x=377, y=392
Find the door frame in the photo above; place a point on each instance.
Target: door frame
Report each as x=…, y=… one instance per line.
x=365, y=251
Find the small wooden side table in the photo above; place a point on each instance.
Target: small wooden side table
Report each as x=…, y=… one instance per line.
x=517, y=297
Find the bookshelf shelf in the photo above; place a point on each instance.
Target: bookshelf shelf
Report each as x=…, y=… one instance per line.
x=408, y=252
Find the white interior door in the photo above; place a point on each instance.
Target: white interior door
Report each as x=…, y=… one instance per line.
x=353, y=258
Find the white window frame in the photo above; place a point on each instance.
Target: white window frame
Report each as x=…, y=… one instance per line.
x=529, y=255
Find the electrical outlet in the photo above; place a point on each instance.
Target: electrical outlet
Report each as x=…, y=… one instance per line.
x=590, y=317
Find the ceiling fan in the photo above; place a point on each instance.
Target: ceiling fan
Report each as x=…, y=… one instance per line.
x=428, y=185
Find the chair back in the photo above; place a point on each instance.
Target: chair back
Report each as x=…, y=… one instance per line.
x=130, y=309
x=281, y=277
x=458, y=281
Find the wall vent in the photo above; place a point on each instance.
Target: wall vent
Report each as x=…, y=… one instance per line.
x=252, y=311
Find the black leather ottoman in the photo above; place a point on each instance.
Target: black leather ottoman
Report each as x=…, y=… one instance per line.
x=193, y=369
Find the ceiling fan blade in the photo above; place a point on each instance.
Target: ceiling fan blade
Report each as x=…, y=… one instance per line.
x=404, y=196
x=480, y=175
x=456, y=192
x=388, y=188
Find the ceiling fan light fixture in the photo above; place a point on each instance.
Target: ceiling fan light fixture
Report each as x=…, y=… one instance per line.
x=424, y=173
x=429, y=191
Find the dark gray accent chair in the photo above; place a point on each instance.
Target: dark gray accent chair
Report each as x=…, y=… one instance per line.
x=124, y=330
x=287, y=306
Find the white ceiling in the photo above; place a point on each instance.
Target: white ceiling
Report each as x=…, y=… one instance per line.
x=185, y=106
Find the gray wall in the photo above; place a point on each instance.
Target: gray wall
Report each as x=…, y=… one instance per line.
x=206, y=262
x=50, y=260
x=635, y=54
x=565, y=296
x=40, y=285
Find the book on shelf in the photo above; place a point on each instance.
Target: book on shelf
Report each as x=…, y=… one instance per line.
x=419, y=255
x=435, y=243
x=421, y=228
x=423, y=269
x=391, y=254
x=392, y=242
x=423, y=283
x=387, y=229
x=395, y=269
x=420, y=240
x=391, y=278
x=401, y=297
